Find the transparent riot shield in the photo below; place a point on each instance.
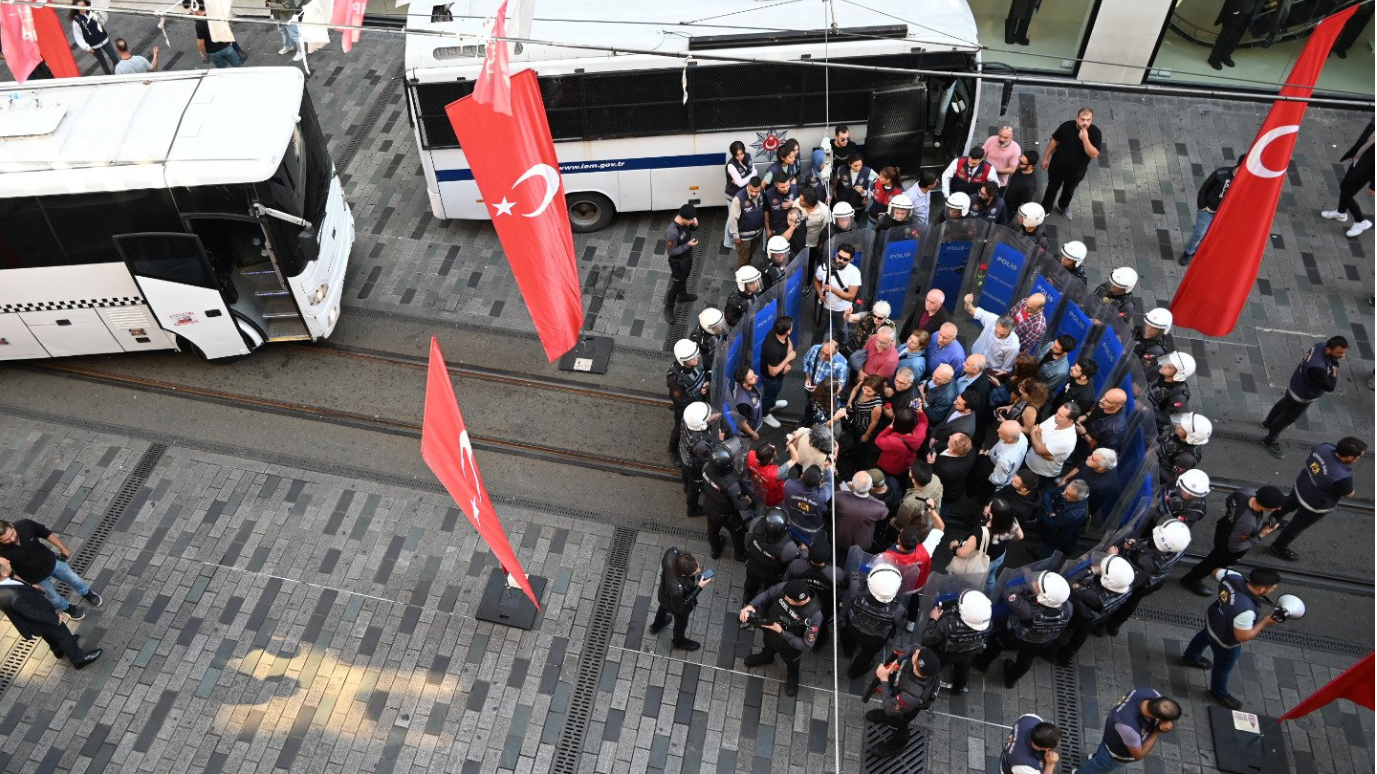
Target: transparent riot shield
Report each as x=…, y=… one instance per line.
x=942, y=591
x=859, y=563
x=795, y=285
x=763, y=316
x=862, y=241
x=1075, y=318
x=1014, y=580
x=724, y=370
x=957, y=244
x=892, y=270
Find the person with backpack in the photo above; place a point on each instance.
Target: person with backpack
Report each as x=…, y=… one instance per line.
x=959, y=635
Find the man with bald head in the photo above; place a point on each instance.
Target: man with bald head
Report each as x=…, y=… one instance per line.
x=939, y=393
x=945, y=348
x=1103, y=427
x=857, y=514
x=881, y=358
x=933, y=316
x=1030, y=324
x=999, y=463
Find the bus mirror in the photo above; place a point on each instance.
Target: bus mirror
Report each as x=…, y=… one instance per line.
x=308, y=244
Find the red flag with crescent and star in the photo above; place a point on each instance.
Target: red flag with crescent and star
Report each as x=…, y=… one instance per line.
x=1211, y=296
x=448, y=450
x=514, y=164
x=1355, y=684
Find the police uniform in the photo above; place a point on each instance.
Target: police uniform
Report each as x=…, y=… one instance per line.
x=800, y=631
x=772, y=275
x=750, y=224
x=905, y=695
x=1237, y=531
x=957, y=644
x=1078, y=272
x=747, y=403
x=1019, y=756
x=1128, y=713
x=728, y=502
x=685, y=387
x=1124, y=304
x=1319, y=488
x=1173, y=506
x=807, y=508
x=1167, y=398
x=1038, y=235
x=1092, y=604
x=866, y=625
x=847, y=180
x=1032, y=629
x=821, y=582
x=694, y=447
x=738, y=304
x=1153, y=566
x=1316, y=375
x=1150, y=351
x=680, y=254
x=766, y=560
x=707, y=345
x=776, y=212
x=1235, y=606
x=1175, y=456
x=677, y=595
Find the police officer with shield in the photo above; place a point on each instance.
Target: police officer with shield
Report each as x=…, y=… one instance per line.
x=1095, y=595
x=777, y=253
x=1153, y=560
x=1168, y=393
x=1152, y=340
x=907, y=686
x=696, y=439
x=958, y=634
x=871, y=617
x=1181, y=446
x=1038, y=614
x=687, y=381
x=728, y=502
x=748, y=286
x=769, y=550
x=710, y=332
x=1184, y=502
x=789, y=617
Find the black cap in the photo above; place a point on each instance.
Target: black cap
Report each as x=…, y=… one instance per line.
x=688, y=212
x=797, y=590
x=820, y=551
x=1270, y=497
x=928, y=663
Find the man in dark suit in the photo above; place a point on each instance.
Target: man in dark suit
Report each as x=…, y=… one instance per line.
x=33, y=616
x=932, y=316
x=1233, y=20
x=961, y=419
x=1357, y=173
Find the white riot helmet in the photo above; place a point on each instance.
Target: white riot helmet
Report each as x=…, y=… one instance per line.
x=1032, y=214
x=975, y=609
x=1053, y=590
x=900, y=202
x=1292, y=604
x=1183, y=363
x=1074, y=252
x=1125, y=278
x=884, y=582
x=745, y=276
x=711, y=319
x=961, y=202
x=881, y=309
x=776, y=246
x=842, y=210
x=696, y=416
x=1171, y=537
x=1116, y=574
x=1194, y=482
x=1197, y=427
x=685, y=350
x=1159, y=318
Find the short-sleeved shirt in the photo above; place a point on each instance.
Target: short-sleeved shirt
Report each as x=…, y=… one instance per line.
x=1070, y=153
x=133, y=66
x=849, y=277
x=31, y=560
x=203, y=34
x=1059, y=442
x=772, y=353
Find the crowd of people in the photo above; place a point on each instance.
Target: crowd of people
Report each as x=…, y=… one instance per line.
x=920, y=450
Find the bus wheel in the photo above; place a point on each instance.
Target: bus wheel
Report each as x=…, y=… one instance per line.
x=589, y=211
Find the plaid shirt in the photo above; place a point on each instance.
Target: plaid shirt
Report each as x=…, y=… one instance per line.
x=818, y=371
x=1029, y=328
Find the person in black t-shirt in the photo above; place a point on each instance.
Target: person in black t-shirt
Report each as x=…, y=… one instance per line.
x=1023, y=183
x=1073, y=146
x=776, y=361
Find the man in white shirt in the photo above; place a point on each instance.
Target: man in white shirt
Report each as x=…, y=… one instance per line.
x=921, y=194
x=1052, y=442
x=998, y=342
x=131, y=63
x=837, y=287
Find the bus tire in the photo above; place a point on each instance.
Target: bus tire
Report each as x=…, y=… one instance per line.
x=589, y=211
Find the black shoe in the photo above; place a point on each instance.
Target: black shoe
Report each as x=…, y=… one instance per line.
x=1098, y=631
x=716, y=552
x=1228, y=61
x=1009, y=680
x=1023, y=41
x=1216, y=65
x=1273, y=448
x=688, y=645
x=87, y=659
x=685, y=298
x=1197, y=663
x=1184, y=260
x=93, y=599
x=758, y=659
x=1197, y=588
x=1340, y=54
x=791, y=687
x=953, y=689
x=1283, y=553
x=877, y=716
x=1225, y=700
x=656, y=628
x=893, y=745
x=738, y=556
x=854, y=672
x=1065, y=213
x=694, y=511
x=1112, y=631
x=75, y=613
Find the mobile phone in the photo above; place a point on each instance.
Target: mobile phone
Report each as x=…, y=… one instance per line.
x=709, y=574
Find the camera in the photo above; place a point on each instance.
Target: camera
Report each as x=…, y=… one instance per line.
x=753, y=621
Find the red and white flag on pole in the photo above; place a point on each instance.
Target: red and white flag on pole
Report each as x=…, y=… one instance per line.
x=494, y=85
x=1211, y=296
x=19, y=39
x=348, y=13
x=447, y=449
x=1355, y=684
x=513, y=161
x=53, y=45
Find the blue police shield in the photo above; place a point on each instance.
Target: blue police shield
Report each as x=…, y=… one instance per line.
x=795, y=280
x=1000, y=274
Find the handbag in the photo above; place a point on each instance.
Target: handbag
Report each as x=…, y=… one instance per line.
x=975, y=564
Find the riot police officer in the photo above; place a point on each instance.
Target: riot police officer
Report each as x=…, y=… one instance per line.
x=1028, y=222
x=871, y=616
x=1031, y=747
x=710, y=333
x=1095, y=595
x=1118, y=293
x=1154, y=560
x=958, y=207
x=777, y=253
x=769, y=550
x=687, y=381
x=1073, y=260
x=1037, y=616
x=1181, y=447
x=1184, y=502
x=899, y=214
x=1168, y=393
x=824, y=578
x=959, y=638
x=696, y=439
x=748, y=286
x=908, y=684
x=789, y=618
x=1152, y=340
x=728, y=501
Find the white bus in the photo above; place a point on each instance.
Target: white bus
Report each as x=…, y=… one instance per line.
x=191, y=210
x=629, y=140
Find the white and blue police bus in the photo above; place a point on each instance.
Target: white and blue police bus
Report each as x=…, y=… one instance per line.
x=197, y=211
x=637, y=132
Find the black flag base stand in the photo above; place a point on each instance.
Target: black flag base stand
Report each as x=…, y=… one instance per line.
x=590, y=355
x=1247, y=744
x=502, y=604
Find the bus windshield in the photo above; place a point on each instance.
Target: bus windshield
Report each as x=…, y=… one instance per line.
x=300, y=187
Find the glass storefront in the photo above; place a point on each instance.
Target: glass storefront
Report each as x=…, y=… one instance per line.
x=1268, y=44
x=1033, y=34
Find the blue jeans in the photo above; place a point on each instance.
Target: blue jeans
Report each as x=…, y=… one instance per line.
x=1100, y=763
x=63, y=572
x=995, y=566
x=289, y=36
x=769, y=393
x=226, y=57
x=1224, y=660
x=1203, y=218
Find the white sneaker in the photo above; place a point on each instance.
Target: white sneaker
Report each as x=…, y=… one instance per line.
x=286, y=50
x=781, y=404
x=300, y=55
x=771, y=421
x=908, y=627
x=1359, y=227
x=1342, y=217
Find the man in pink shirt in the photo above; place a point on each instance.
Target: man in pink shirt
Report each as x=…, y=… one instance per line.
x=881, y=358
x=1002, y=153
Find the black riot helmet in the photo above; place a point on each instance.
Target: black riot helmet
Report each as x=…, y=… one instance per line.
x=721, y=460
x=776, y=523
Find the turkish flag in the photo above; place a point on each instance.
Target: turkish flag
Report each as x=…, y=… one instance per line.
x=1211, y=296
x=513, y=161
x=446, y=448
x=53, y=45
x=19, y=39
x=494, y=82
x=348, y=13
x=1355, y=684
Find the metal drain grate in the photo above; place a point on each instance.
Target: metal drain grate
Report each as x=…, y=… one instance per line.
x=380, y=103
x=605, y=604
x=1066, y=686
x=676, y=531
x=81, y=561
x=1294, y=639
x=913, y=759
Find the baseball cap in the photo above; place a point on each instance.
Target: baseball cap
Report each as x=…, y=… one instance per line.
x=1270, y=497
x=797, y=590
x=688, y=212
x=928, y=663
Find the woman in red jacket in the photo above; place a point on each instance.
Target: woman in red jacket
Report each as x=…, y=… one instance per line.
x=900, y=443
x=767, y=477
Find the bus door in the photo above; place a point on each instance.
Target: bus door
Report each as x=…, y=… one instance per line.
x=179, y=286
x=241, y=257
x=896, y=128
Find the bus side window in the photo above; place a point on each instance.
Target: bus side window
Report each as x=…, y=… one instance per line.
x=170, y=257
x=26, y=241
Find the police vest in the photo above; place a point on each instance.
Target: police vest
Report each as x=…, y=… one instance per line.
x=774, y=273
x=1234, y=600
x=806, y=508
x=1155, y=564
x=724, y=494
x=750, y=398
x=870, y=617
x=1315, y=485
x=1078, y=272
x=913, y=693
x=961, y=638
x=1127, y=713
x=738, y=304
x=707, y=345
x=1018, y=749
x=1300, y=389
x=694, y=447
x=1174, y=453
x=1173, y=506
x=752, y=219
x=1045, y=626
x=821, y=581
x=968, y=181
x=1164, y=396
x=685, y=386
x=794, y=619
x=777, y=212
x=1096, y=602
x=1149, y=351
x=765, y=559
x=744, y=169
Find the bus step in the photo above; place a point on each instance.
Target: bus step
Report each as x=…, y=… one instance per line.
x=279, y=308
x=272, y=293
x=287, y=330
